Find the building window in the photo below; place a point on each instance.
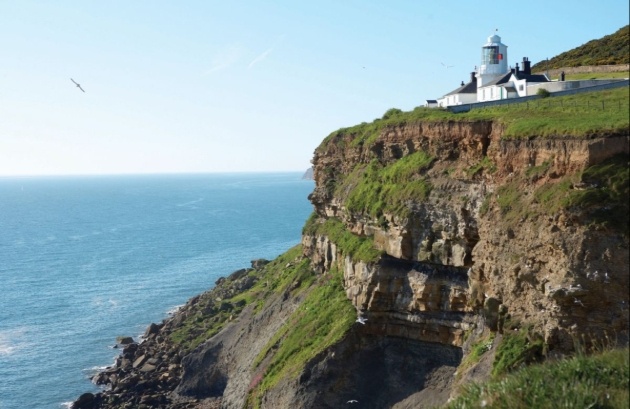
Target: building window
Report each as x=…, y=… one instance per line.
x=491, y=55
x=520, y=87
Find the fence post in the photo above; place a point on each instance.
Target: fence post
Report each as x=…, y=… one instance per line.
x=602, y=105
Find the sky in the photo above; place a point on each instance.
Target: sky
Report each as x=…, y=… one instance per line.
x=204, y=86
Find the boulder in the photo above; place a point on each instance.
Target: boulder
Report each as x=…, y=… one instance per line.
x=85, y=401
x=124, y=340
x=152, y=329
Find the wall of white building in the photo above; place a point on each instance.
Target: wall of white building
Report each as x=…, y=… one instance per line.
x=557, y=86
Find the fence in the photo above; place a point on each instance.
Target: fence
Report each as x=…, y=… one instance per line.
x=529, y=99
x=603, y=105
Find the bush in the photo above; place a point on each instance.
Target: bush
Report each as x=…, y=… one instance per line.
x=543, y=93
x=392, y=112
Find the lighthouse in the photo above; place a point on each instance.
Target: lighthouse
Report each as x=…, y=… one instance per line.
x=493, y=61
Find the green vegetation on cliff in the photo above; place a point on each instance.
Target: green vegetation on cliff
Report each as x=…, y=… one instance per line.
x=609, y=50
x=216, y=308
x=322, y=319
x=376, y=189
x=596, y=381
x=589, y=114
x=599, y=193
x=357, y=247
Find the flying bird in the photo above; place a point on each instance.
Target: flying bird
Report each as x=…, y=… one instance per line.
x=353, y=401
x=77, y=84
x=447, y=66
x=361, y=320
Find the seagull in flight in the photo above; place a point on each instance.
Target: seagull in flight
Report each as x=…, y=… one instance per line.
x=77, y=84
x=361, y=320
x=353, y=401
x=447, y=66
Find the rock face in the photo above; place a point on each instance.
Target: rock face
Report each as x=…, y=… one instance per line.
x=552, y=269
x=505, y=230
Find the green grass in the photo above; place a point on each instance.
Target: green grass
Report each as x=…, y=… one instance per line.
x=536, y=172
x=357, y=247
x=518, y=348
x=477, y=350
x=596, y=381
x=212, y=313
x=510, y=199
x=603, y=200
x=375, y=189
x=596, y=75
x=484, y=164
x=599, y=195
x=580, y=115
x=322, y=320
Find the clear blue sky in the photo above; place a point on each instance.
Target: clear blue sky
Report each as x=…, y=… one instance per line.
x=225, y=86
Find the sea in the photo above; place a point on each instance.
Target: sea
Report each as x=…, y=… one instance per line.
x=84, y=259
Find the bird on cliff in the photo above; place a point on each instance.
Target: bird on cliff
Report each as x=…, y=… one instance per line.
x=77, y=84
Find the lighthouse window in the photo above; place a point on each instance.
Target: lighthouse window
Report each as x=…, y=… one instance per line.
x=490, y=55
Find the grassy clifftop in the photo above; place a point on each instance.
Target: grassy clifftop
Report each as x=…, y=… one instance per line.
x=590, y=114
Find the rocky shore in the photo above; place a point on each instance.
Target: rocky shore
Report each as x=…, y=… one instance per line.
x=146, y=373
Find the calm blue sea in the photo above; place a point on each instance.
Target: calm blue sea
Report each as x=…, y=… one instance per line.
x=86, y=259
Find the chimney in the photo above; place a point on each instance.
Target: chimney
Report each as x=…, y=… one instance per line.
x=516, y=69
x=472, y=77
x=527, y=69
x=462, y=84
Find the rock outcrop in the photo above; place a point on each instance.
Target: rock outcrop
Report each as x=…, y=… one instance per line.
x=551, y=268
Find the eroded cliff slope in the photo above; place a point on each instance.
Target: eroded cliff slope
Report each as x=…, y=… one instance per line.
x=426, y=238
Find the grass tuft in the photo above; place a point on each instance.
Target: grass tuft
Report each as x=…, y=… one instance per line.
x=596, y=381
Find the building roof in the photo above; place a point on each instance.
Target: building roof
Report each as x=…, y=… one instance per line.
x=501, y=80
x=470, y=88
x=531, y=77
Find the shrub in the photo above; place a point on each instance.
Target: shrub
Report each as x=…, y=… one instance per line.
x=392, y=112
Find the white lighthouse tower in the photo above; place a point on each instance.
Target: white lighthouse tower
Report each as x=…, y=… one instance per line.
x=493, y=61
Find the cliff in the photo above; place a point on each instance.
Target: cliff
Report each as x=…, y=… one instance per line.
x=438, y=235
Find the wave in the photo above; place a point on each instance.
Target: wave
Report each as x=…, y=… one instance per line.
x=192, y=202
x=174, y=309
x=12, y=340
x=96, y=369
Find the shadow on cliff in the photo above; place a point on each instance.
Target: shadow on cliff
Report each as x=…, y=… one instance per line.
x=377, y=372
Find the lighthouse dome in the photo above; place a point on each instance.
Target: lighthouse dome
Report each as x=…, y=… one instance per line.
x=494, y=40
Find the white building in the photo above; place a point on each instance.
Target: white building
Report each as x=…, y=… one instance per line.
x=494, y=80
x=465, y=94
x=516, y=83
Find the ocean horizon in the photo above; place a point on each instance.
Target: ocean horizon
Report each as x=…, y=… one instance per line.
x=85, y=259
